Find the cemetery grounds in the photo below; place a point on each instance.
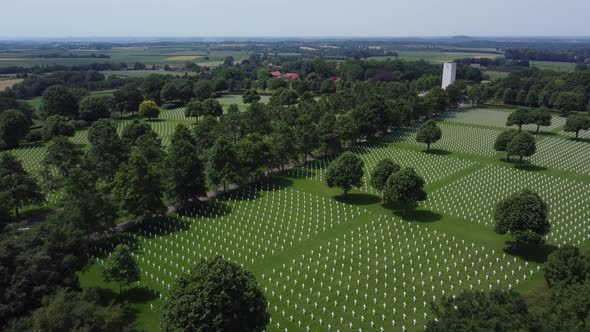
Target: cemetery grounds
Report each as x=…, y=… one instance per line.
x=326, y=263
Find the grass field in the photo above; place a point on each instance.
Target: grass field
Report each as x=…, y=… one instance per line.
x=143, y=73
x=439, y=57
x=326, y=262
x=9, y=83
x=494, y=75
x=559, y=66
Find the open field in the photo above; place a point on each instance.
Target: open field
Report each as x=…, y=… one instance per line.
x=325, y=260
x=559, y=66
x=143, y=73
x=439, y=57
x=9, y=83
x=494, y=75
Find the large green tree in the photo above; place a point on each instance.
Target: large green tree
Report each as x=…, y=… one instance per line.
x=120, y=267
x=223, y=166
x=93, y=108
x=345, y=172
x=14, y=126
x=404, y=186
x=567, y=266
x=216, y=295
x=524, y=216
x=496, y=310
x=428, y=133
x=18, y=187
x=105, y=154
x=503, y=139
x=138, y=188
x=185, y=174
x=59, y=100
x=381, y=173
x=127, y=98
x=520, y=117
x=577, y=122
x=522, y=145
x=541, y=117
x=56, y=125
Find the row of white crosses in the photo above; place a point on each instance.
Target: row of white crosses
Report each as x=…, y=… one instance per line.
x=563, y=154
x=473, y=198
x=250, y=225
x=457, y=138
x=381, y=276
x=492, y=118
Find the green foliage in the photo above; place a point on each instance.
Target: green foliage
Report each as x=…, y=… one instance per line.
x=345, y=172
x=223, y=166
x=496, y=310
x=438, y=101
x=18, y=188
x=577, y=122
x=522, y=145
x=328, y=86
x=568, y=310
x=203, y=90
x=250, y=96
x=428, y=133
x=179, y=89
x=503, y=139
x=120, y=267
x=149, y=109
x=93, y=108
x=138, y=189
x=62, y=155
x=71, y=311
x=132, y=133
x=105, y=154
x=283, y=96
x=567, y=102
x=185, y=178
x=14, y=126
x=216, y=295
x=541, y=117
x=384, y=169
x=127, y=98
x=566, y=266
x=524, y=216
x=520, y=117
x=59, y=100
x=404, y=186
x=56, y=125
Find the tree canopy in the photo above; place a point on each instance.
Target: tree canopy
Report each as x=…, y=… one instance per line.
x=345, y=172
x=428, y=133
x=120, y=267
x=404, y=186
x=524, y=216
x=381, y=173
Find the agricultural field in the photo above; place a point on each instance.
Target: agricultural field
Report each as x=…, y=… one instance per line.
x=143, y=73
x=9, y=83
x=494, y=75
x=439, y=57
x=554, y=65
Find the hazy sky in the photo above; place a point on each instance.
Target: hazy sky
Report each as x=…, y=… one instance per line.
x=62, y=18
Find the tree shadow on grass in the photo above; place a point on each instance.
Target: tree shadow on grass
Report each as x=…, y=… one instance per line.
x=544, y=133
x=438, y=152
x=155, y=120
x=533, y=252
x=358, y=199
x=529, y=167
x=366, y=148
x=581, y=139
x=409, y=213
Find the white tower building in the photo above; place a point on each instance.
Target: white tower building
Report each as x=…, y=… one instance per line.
x=449, y=73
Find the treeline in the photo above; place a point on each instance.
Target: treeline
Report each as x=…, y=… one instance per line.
x=561, y=55
x=72, y=56
x=565, y=92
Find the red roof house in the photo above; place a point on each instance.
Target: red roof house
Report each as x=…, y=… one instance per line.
x=276, y=74
x=292, y=76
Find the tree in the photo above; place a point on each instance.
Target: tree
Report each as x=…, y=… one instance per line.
x=404, y=186
x=56, y=125
x=521, y=97
x=17, y=186
x=137, y=187
x=566, y=266
x=567, y=102
x=568, y=309
x=496, y=310
x=455, y=93
x=84, y=206
x=212, y=107
x=152, y=87
x=14, y=126
x=541, y=117
x=180, y=89
x=203, y=90
x=576, y=122
x=522, y=145
x=281, y=139
x=306, y=135
x=524, y=216
x=502, y=141
x=72, y=311
x=384, y=169
x=253, y=155
x=59, y=100
x=222, y=166
x=532, y=99
x=327, y=133
x=520, y=117
x=216, y=295
x=61, y=154
x=328, y=86
x=149, y=109
x=477, y=95
x=132, y=133
x=127, y=99
x=428, y=133
x=250, y=96
x=105, y=154
x=509, y=97
x=120, y=267
x=93, y=108
x=205, y=133
x=438, y=100
x=283, y=96
x=345, y=172
x=184, y=168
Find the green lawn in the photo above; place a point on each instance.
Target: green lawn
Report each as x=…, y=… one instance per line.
x=554, y=65
x=439, y=57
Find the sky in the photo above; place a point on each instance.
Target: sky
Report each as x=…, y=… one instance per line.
x=293, y=18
